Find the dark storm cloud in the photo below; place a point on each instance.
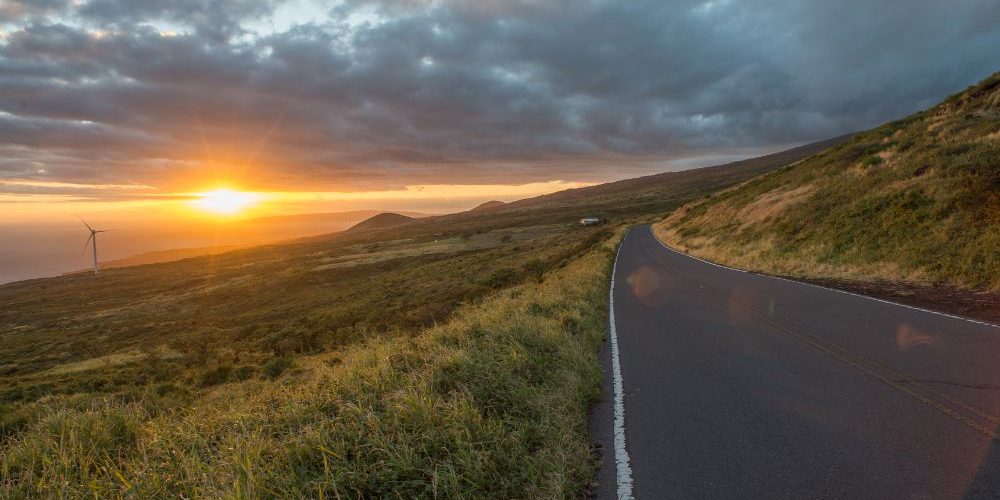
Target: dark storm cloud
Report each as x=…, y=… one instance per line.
x=393, y=92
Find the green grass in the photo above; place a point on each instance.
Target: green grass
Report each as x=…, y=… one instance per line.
x=200, y=323
x=164, y=334
x=917, y=200
x=490, y=404
x=450, y=357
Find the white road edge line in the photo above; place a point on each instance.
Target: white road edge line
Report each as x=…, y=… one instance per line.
x=622, y=461
x=915, y=308
x=664, y=245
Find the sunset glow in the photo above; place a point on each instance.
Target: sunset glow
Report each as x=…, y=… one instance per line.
x=225, y=201
x=379, y=248
x=112, y=202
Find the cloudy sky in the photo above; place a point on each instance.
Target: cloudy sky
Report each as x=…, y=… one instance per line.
x=126, y=99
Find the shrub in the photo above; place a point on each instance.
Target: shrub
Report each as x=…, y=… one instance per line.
x=501, y=278
x=196, y=352
x=276, y=366
x=243, y=372
x=871, y=161
x=536, y=268
x=215, y=376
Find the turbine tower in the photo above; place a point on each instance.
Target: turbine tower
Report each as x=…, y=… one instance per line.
x=93, y=237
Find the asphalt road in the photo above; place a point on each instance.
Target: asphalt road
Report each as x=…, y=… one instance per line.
x=738, y=385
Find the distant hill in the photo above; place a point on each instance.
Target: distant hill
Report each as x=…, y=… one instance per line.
x=638, y=197
x=337, y=218
x=642, y=197
x=489, y=205
x=915, y=200
x=382, y=221
x=648, y=190
x=253, y=232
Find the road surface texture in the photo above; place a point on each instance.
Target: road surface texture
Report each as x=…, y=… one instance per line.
x=738, y=385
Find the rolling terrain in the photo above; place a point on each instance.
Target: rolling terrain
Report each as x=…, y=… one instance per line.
x=640, y=198
x=445, y=354
x=916, y=201
x=309, y=224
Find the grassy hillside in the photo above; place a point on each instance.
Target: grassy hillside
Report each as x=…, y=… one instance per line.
x=917, y=200
x=332, y=365
x=491, y=404
x=663, y=192
x=87, y=334
x=640, y=198
x=173, y=254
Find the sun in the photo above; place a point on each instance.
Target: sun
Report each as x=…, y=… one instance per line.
x=225, y=201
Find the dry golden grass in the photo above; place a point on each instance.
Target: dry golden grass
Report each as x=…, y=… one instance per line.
x=773, y=203
x=913, y=200
x=108, y=360
x=491, y=404
x=759, y=256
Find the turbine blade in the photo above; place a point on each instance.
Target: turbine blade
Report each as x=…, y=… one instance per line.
x=85, y=245
x=84, y=222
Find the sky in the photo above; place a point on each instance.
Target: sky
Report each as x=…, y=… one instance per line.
x=129, y=108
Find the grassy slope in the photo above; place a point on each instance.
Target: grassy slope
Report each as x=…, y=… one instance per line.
x=282, y=299
x=913, y=200
x=97, y=364
x=491, y=404
x=635, y=198
x=158, y=256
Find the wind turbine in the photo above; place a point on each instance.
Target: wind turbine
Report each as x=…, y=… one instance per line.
x=93, y=237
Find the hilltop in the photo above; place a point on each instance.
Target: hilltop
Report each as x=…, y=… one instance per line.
x=338, y=220
x=489, y=205
x=382, y=221
x=916, y=200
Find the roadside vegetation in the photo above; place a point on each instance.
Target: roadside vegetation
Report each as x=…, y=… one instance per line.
x=446, y=357
x=490, y=404
x=914, y=200
x=172, y=330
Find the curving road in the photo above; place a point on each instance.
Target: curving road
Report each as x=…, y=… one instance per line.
x=738, y=385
